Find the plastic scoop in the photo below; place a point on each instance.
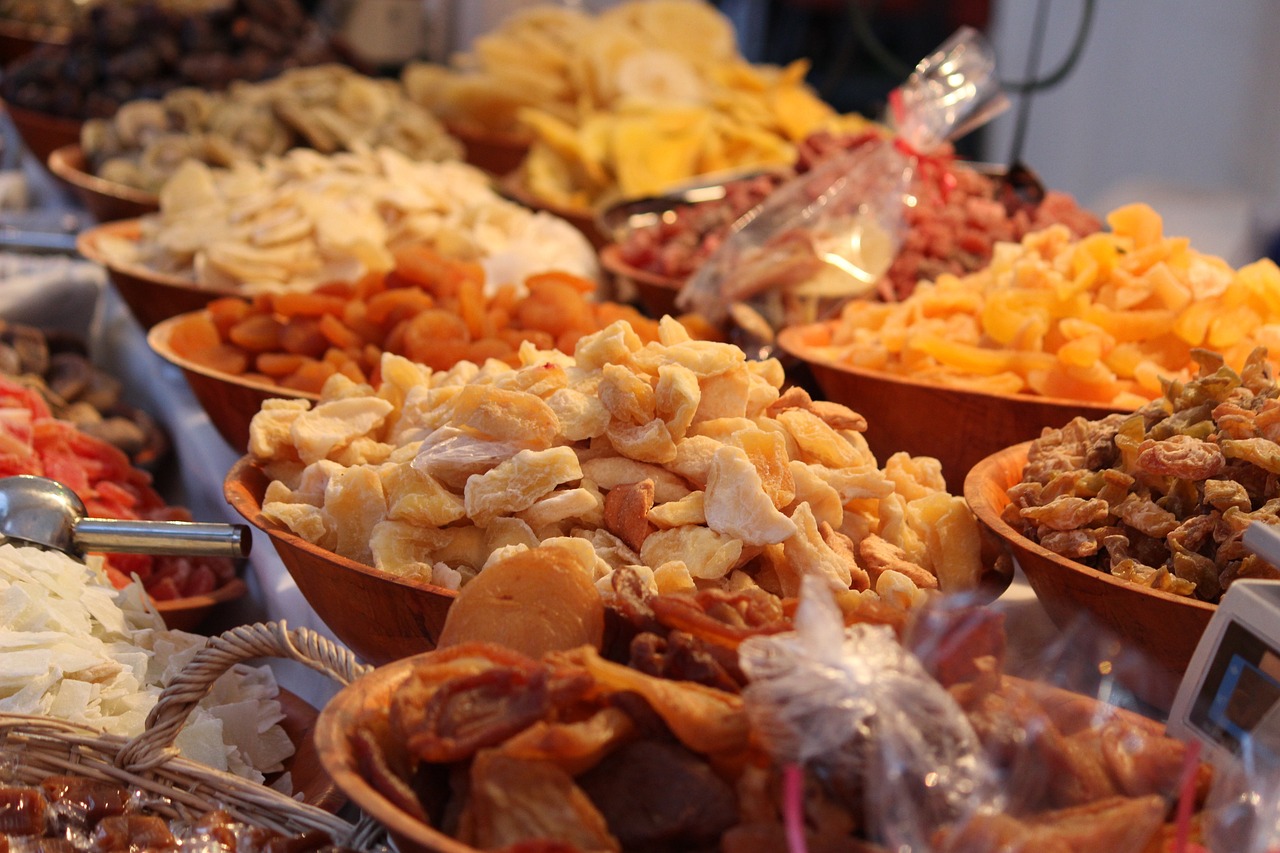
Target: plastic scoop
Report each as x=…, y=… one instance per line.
x=44, y=512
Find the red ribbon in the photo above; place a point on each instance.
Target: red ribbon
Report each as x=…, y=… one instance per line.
x=936, y=167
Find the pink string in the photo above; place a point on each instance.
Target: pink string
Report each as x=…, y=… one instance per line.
x=1186, y=800
x=793, y=807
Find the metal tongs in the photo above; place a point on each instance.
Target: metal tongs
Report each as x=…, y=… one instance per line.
x=43, y=512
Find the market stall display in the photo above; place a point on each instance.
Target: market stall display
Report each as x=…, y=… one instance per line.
x=679, y=455
x=630, y=553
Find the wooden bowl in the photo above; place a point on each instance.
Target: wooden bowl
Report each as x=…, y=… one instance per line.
x=512, y=186
x=377, y=615
x=187, y=614
x=657, y=292
x=957, y=426
x=1163, y=627
x=495, y=153
x=151, y=296
x=366, y=697
x=365, y=702
x=229, y=401
x=105, y=200
x=43, y=133
x=18, y=38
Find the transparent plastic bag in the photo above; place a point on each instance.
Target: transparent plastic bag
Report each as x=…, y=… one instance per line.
x=1242, y=812
x=857, y=709
x=828, y=235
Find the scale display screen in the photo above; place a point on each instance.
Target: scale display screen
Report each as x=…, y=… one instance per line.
x=1240, y=690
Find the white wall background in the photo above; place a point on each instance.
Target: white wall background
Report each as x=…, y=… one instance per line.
x=1174, y=102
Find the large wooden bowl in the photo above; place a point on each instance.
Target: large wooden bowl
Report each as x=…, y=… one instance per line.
x=495, y=153
x=368, y=697
x=150, y=295
x=657, y=293
x=377, y=615
x=957, y=426
x=1163, y=627
x=230, y=401
x=43, y=133
x=365, y=703
x=105, y=200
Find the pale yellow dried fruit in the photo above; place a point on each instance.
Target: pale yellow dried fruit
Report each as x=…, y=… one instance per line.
x=676, y=398
x=693, y=459
x=807, y=554
x=768, y=453
x=613, y=344
x=418, y=498
x=628, y=396
x=270, y=430
x=402, y=548
x=737, y=504
x=855, y=483
x=580, y=504
x=914, y=476
x=610, y=471
x=673, y=578
x=690, y=509
x=952, y=539
x=518, y=482
x=453, y=456
x=316, y=432
x=824, y=501
x=818, y=442
x=648, y=442
x=581, y=416
x=354, y=502
x=507, y=532
x=305, y=520
x=724, y=395
x=707, y=554
x=501, y=415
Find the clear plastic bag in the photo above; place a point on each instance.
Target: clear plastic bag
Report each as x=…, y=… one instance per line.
x=860, y=711
x=830, y=234
x=1242, y=812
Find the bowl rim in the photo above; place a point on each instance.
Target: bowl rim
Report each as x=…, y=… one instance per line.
x=68, y=163
x=611, y=260
x=87, y=244
x=469, y=130
x=333, y=746
x=229, y=591
x=512, y=187
x=791, y=339
x=236, y=490
x=989, y=515
x=158, y=339
x=21, y=114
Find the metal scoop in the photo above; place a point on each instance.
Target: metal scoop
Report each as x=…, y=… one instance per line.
x=44, y=512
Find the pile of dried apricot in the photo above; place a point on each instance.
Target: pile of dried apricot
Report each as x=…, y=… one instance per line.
x=430, y=309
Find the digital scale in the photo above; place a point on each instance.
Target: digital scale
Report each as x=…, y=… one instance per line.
x=1229, y=698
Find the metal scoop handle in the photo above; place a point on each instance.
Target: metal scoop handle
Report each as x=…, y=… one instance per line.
x=45, y=512
x=182, y=538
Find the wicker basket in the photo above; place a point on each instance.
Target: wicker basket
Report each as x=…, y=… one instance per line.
x=42, y=746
